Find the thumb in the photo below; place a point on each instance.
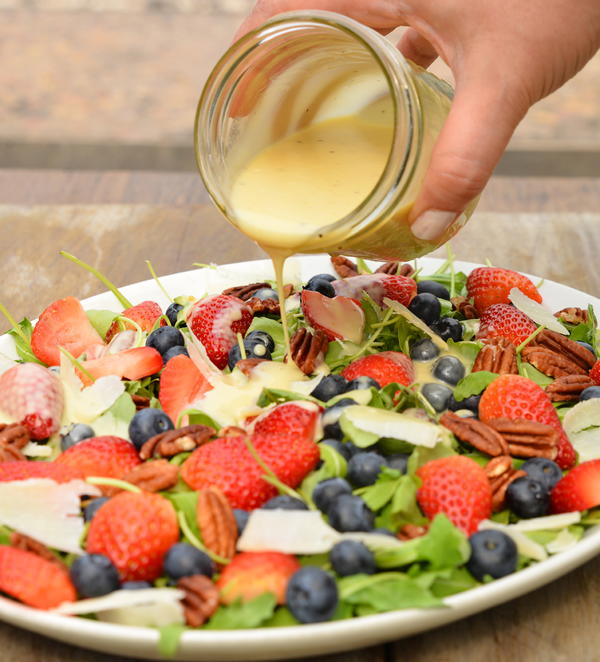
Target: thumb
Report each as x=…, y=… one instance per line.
x=482, y=118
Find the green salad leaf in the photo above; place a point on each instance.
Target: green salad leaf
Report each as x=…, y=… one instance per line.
x=22, y=338
x=244, y=615
x=278, y=395
x=101, y=320
x=169, y=638
x=473, y=384
x=531, y=372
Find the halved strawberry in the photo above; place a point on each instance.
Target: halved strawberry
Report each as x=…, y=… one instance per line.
x=578, y=490
x=63, y=324
x=135, y=363
x=107, y=456
x=338, y=317
x=501, y=320
x=24, y=469
x=595, y=372
x=378, y=286
x=216, y=321
x=490, y=285
x=384, y=368
x=143, y=314
x=180, y=384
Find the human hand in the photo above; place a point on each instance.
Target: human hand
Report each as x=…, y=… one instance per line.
x=505, y=56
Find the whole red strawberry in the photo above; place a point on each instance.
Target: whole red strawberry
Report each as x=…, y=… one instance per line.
x=144, y=314
x=458, y=487
x=135, y=531
x=490, y=285
x=513, y=396
x=384, y=368
x=377, y=286
x=34, y=580
x=595, y=372
x=216, y=321
x=501, y=320
x=22, y=470
x=578, y=490
x=110, y=457
x=33, y=396
x=251, y=574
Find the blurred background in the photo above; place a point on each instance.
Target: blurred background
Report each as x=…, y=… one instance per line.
x=113, y=85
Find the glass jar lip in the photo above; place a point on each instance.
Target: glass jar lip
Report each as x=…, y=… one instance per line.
x=400, y=165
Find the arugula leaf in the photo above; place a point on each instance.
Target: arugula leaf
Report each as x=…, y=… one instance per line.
x=381, y=492
x=363, y=267
x=422, y=455
x=449, y=581
x=197, y=417
x=101, y=320
x=404, y=505
x=334, y=466
x=244, y=615
x=22, y=339
x=278, y=395
x=473, y=384
x=169, y=638
x=466, y=349
x=282, y=617
x=531, y=372
x=115, y=420
x=187, y=503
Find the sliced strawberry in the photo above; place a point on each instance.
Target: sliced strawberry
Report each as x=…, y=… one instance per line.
x=338, y=317
x=63, y=324
x=216, y=321
x=578, y=490
x=33, y=396
x=111, y=457
x=490, y=285
x=378, y=286
x=22, y=470
x=595, y=372
x=384, y=368
x=501, y=320
x=135, y=363
x=180, y=384
x=34, y=580
x=143, y=314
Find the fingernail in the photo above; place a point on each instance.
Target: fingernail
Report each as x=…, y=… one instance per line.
x=432, y=223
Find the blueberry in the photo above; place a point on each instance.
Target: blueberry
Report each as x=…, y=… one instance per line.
x=164, y=338
x=492, y=553
x=346, y=450
x=75, y=434
x=363, y=383
x=328, y=277
x=265, y=293
x=424, y=350
x=586, y=345
x=327, y=491
x=321, y=285
x=254, y=350
x=350, y=513
x=94, y=575
x=311, y=595
x=437, y=289
x=174, y=351
x=284, y=502
x=398, y=461
x=426, y=307
x=364, y=468
x=184, y=560
x=527, y=498
x=172, y=312
x=241, y=519
x=146, y=423
x=329, y=387
x=471, y=403
x=449, y=369
x=92, y=508
x=331, y=415
x=545, y=471
x=437, y=395
x=135, y=586
x=263, y=337
x=448, y=329
x=589, y=393
x=351, y=557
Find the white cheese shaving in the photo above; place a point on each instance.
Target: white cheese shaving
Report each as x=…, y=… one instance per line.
x=547, y=523
x=535, y=311
x=415, y=321
x=31, y=449
x=563, y=541
x=582, y=425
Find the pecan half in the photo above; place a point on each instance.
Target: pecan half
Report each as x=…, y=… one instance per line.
x=167, y=444
x=476, y=433
x=151, y=476
x=14, y=434
x=307, y=349
x=568, y=348
x=21, y=541
x=572, y=315
x=410, y=531
x=343, y=267
x=245, y=292
x=258, y=306
x=498, y=355
x=216, y=522
x=10, y=453
x=140, y=402
x=464, y=307
x=501, y=473
x=568, y=388
x=551, y=363
x=396, y=269
x=201, y=599
x=527, y=438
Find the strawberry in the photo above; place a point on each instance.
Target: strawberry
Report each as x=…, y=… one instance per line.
x=578, y=490
x=34, y=580
x=143, y=314
x=290, y=419
x=134, y=363
x=490, y=285
x=111, y=457
x=505, y=321
x=251, y=574
x=338, y=317
x=135, y=531
x=33, y=396
x=512, y=396
x=180, y=384
x=458, y=487
x=63, y=324
x=216, y=321
x=24, y=469
x=384, y=368
x=595, y=372
x=378, y=287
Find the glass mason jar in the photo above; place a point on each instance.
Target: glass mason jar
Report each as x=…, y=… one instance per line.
x=304, y=68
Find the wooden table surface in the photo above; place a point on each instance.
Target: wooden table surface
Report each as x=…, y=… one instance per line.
x=547, y=227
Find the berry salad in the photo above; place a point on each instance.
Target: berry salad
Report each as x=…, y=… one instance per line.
x=422, y=435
